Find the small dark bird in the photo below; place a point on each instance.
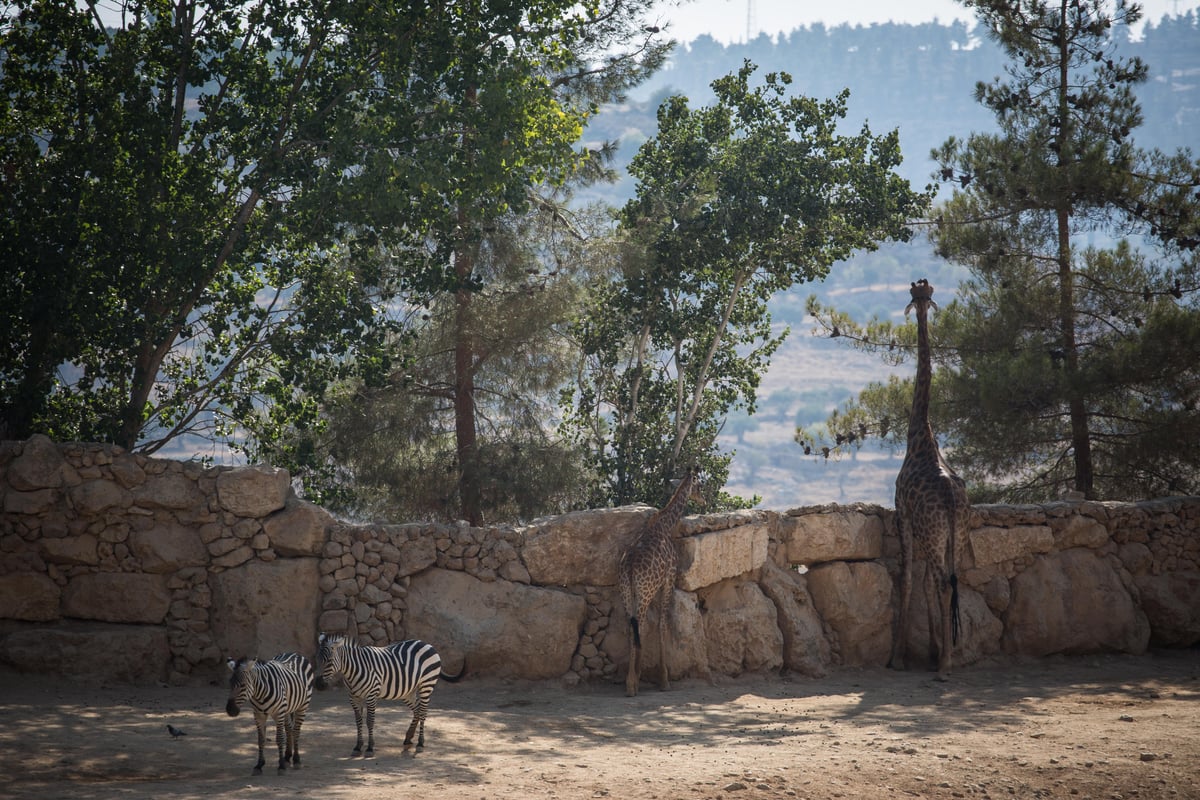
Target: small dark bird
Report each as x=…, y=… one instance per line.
x=175, y=732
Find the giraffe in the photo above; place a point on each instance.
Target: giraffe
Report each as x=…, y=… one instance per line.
x=931, y=511
x=647, y=572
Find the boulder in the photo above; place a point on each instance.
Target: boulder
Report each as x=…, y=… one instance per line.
x=708, y=558
x=501, y=628
x=37, y=501
x=805, y=648
x=979, y=629
x=741, y=628
x=253, y=491
x=583, y=547
x=72, y=550
x=117, y=597
x=836, y=536
x=1072, y=602
x=1172, y=605
x=854, y=601
x=1080, y=531
x=94, y=653
x=93, y=497
x=166, y=548
x=266, y=607
x=299, y=529
x=29, y=596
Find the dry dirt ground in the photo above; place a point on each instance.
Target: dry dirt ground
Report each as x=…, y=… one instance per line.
x=1091, y=727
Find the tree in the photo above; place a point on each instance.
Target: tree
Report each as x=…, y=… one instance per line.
x=247, y=197
x=1069, y=362
x=735, y=201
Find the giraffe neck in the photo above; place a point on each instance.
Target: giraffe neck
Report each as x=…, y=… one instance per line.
x=663, y=523
x=919, y=431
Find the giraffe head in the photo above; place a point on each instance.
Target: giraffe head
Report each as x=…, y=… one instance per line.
x=922, y=297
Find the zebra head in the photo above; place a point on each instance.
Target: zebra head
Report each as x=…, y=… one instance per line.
x=331, y=649
x=240, y=684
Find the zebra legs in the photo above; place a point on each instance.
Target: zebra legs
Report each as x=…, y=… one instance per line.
x=260, y=723
x=419, y=709
x=293, y=748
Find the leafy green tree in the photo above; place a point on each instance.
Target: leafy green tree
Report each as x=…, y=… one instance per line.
x=735, y=201
x=1069, y=362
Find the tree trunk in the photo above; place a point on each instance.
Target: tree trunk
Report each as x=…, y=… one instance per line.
x=464, y=392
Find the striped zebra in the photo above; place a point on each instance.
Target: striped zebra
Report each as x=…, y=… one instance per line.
x=405, y=671
x=281, y=689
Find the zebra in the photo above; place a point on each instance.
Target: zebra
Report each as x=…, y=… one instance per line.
x=405, y=671
x=280, y=688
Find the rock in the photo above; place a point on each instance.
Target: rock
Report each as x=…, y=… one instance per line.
x=979, y=629
x=167, y=548
x=1072, y=602
x=71, y=550
x=835, y=536
x=805, y=648
x=263, y=608
x=91, y=652
x=583, y=547
x=253, y=491
x=40, y=466
x=34, y=502
x=299, y=529
x=1079, y=531
x=1172, y=606
x=741, y=628
x=171, y=490
x=854, y=600
x=93, y=497
x=500, y=628
x=29, y=596
x=117, y=597
x=992, y=545
x=708, y=558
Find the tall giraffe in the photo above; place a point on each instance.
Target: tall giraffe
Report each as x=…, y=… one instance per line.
x=647, y=571
x=931, y=511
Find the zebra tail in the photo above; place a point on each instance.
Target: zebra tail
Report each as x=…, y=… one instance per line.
x=446, y=676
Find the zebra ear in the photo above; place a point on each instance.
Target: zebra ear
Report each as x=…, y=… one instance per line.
x=232, y=664
x=322, y=638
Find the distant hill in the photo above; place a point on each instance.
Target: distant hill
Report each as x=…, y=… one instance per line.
x=919, y=79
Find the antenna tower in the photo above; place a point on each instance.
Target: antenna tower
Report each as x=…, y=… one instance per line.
x=750, y=22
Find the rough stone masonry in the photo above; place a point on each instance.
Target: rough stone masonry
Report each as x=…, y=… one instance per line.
x=119, y=568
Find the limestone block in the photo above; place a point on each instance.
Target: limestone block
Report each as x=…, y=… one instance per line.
x=265, y=607
x=94, y=653
x=71, y=550
x=500, y=628
x=40, y=466
x=709, y=558
x=38, y=501
x=299, y=529
x=837, y=536
x=1072, y=602
x=127, y=472
x=741, y=627
x=171, y=490
x=805, y=648
x=854, y=600
x=583, y=547
x=92, y=497
x=1080, y=531
x=992, y=545
x=167, y=548
x=29, y=596
x=253, y=491
x=980, y=629
x=1172, y=604
x=117, y=597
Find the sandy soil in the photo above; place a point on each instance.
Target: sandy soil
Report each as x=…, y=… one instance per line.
x=1093, y=727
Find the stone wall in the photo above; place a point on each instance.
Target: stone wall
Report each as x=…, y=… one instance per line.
x=120, y=568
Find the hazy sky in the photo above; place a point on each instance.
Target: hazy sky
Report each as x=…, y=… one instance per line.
x=725, y=20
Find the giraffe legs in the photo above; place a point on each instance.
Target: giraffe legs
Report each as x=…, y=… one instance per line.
x=635, y=659
x=664, y=681
x=900, y=638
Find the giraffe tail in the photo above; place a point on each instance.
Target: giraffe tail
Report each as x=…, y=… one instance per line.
x=955, y=621
x=637, y=635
